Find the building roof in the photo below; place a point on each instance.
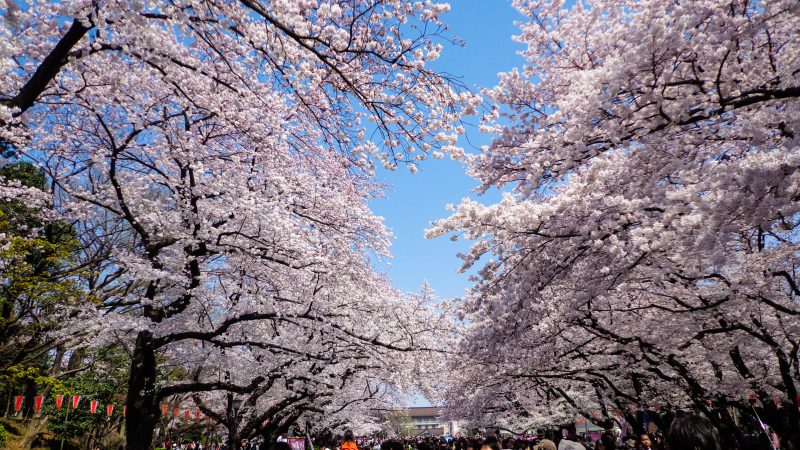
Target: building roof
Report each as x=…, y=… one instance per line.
x=424, y=411
x=429, y=432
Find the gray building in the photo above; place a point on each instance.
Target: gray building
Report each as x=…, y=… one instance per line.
x=427, y=420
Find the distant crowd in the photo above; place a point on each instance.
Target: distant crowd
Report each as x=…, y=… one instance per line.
x=691, y=432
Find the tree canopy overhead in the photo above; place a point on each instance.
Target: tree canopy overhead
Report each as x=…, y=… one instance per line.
x=646, y=249
x=216, y=160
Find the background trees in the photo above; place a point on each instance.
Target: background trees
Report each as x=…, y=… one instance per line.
x=646, y=250
x=37, y=259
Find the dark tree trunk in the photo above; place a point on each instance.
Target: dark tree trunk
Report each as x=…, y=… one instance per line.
x=277, y=426
x=143, y=412
x=729, y=431
x=234, y=437
x=269, y=432
x=233, y=434
x=634, y=420
x=30, y=395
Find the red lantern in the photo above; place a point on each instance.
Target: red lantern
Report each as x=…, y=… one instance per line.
x=187, y=414
x=163, y=410
x=59, y=402
x=197, y=415
x=175, y=412
x=110, y=409
x=75, y=400
x=124, y=411
x=93, y=406
x=17, y=403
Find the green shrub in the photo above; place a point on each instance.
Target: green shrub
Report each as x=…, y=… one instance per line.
x=3, y=437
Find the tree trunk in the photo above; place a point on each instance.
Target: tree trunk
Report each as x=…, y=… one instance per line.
x=143, y=413
x=729, y=432
x=30, y=394
x=232, y=435
x=233, y=430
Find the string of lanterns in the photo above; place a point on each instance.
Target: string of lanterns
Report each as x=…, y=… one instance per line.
x=93, y=405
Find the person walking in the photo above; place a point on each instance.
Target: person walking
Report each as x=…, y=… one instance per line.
x=348, y=442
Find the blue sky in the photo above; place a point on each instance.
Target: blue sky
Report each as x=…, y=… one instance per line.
x=414, y=200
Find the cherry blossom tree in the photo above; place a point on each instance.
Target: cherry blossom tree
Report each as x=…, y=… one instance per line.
x=335, y=64
x=216, y=160
x=645, y=248
x=321, y=378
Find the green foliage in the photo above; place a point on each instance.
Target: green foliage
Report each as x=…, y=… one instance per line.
x=19, y=375
x=106, y=383
x=38, y=282
x=36, y=262
x=4, y=436
x=400, y=422
x=24, y=172
x=34, y=287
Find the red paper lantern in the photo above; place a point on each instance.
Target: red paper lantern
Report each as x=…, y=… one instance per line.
x=76, y=399
x=175, y=412
x=124, y=411
x=187, y=414
x=197, y=415
x=59, y=402
x=17, y=403
x=163, y=410
x=110, y=409
x=93, y=406
x=38, y=403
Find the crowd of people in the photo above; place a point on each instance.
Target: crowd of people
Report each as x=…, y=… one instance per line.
x=191, y=444
x=690, y=432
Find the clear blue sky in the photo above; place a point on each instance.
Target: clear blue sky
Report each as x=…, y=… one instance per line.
x=414, y=200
